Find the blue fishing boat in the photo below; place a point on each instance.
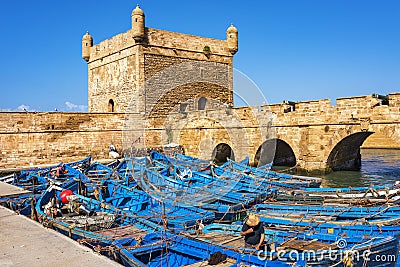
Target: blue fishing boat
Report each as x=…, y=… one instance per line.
x=91, y=222
x=97, y=172
x=38, y=179
x=261, y=182
x=173, y=216
x=329, y=227
x=388, y=191
x=78, y=165
x=193, y=164
x=23, y=204
x=235, y=183
x=369, y=219
x=313, y=182
x=227, y=206
x=260, y=172
x=164, y=249
x=308, y=248
x=337, y=213
x=209, y=187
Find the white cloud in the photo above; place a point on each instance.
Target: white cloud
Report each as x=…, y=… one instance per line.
x=75, y=107
x=23, y=107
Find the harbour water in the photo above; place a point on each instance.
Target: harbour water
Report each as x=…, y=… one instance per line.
x=379, y=167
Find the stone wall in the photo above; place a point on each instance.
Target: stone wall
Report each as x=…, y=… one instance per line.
x=113, y=78
x=118, y=68
x=319, y=134
x=32, y=138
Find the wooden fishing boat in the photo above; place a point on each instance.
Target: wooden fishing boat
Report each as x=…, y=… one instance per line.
x=225, y=172
x=358, y=196
x=211, y=186
x=97, y=172
x=329, y=227
x=97, y=228
x=225, y=207
x=261, y=172
x=173, y=216
x=164, y=249
x=255, y=193
x=38, y=179
x=389, y=191
x=307, y=248
x=261, y=182
x=337, y=213
x=184, y=161
x=292, y=198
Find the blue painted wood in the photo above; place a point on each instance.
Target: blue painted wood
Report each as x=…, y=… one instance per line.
x=164, y=249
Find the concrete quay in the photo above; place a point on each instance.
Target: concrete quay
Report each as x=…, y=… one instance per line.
x=7, y=190
x=25, y=242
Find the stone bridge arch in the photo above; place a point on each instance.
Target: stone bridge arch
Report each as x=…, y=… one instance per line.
x=210, y=137
x=344, y=147
x=222, y=152
x=199, y=132
x=275, y=150
x=346, y=155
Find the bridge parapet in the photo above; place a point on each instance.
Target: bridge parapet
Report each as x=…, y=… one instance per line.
x=394, y=99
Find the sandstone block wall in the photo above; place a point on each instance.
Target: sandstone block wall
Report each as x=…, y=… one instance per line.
x=31, y=138
x=313, y=130
x=118, y=68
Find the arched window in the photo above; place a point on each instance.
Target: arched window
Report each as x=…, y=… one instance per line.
x=111, y=106
x=201, y=104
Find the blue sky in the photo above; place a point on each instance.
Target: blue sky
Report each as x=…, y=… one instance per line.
x=292, y=49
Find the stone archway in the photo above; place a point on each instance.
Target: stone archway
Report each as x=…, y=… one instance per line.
x=222, y=152
x=277, y=151
x=346, y=153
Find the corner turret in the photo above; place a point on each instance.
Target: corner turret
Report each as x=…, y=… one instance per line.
x=232, y=39
x=138, y=24
x=87, y=43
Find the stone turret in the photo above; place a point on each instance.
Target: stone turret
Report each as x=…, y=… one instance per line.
x=138, y=24
x=87, y=43
x=118, y=68
x=232, y=39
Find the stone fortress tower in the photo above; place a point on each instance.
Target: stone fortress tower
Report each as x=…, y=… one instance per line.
x=119, y=67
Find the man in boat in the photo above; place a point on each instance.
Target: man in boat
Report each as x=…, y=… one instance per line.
x=253, y=232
